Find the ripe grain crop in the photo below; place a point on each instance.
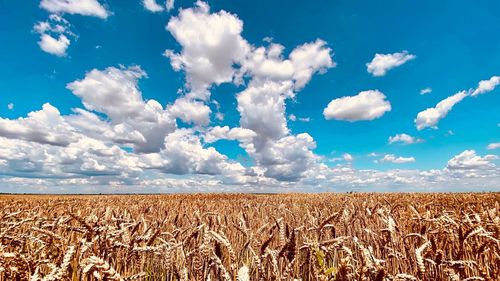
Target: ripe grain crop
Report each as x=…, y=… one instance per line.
x=251, y=237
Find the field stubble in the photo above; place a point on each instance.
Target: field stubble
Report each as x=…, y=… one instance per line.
x=251, y=237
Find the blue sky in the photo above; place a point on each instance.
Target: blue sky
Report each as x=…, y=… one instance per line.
x=316, y=96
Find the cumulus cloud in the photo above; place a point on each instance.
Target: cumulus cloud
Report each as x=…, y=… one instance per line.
x=48, y=126
x=54, y=23
x=494, y=145
x=404, y=139
x=288, y=158
x=81, y=7
x=10, y=106
x=211, y=47
x=114, y=92
x=303, y=62
x=152, y=6
x=486, y=86
x=262, y=108
x=82, y=145
x=54, y=46
x=468, y=160
x=185, y=154
x=225, y=133
x=382, y=63
x=44, y=126
x=395, y=159
x=426, y=91
x=190, y=111
x=366, y=105
x=211, y=44
x=282, y=156
x=54, y=34
x=85, y=157
x=214, y=52
x=431, y=116
x=308, y=59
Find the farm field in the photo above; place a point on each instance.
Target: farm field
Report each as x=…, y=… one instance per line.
x=251, y=237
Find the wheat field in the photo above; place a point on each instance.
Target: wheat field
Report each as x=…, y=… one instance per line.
x=251, y=237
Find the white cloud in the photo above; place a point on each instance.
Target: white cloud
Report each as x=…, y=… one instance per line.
x=214, y=52
x=114, y=92
x=404, y=139
x=185, y=154
x=212, y=48
x=294, y=118
x=486, y=86
x=169, y=4
x=81, y=7
x=323, y=179
x=426, y=91
x=54, y=46
x=395, y=159
x=10, y=106
x=262, y=108
x=303, y=62
x=152, y=6
x=347, y=157
x=268, y=62
x=431, y=116
x=366, y=105
x=308, y=59
x=468, y=160
x=48, y=126
x=217, y=133
x=449, y=133
x=288, y=158
x=494, y=145
x=53, y=35
x=85, y=157
x=211, y=44
x=219, y=116
x=382, y=63
x=45, y=126
x=54, y=23
x=190, y=111
x=47, y=144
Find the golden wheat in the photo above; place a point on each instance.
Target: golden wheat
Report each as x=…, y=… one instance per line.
x=251, y=237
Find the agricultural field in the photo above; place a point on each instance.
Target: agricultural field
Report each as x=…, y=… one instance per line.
x=251, y=237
